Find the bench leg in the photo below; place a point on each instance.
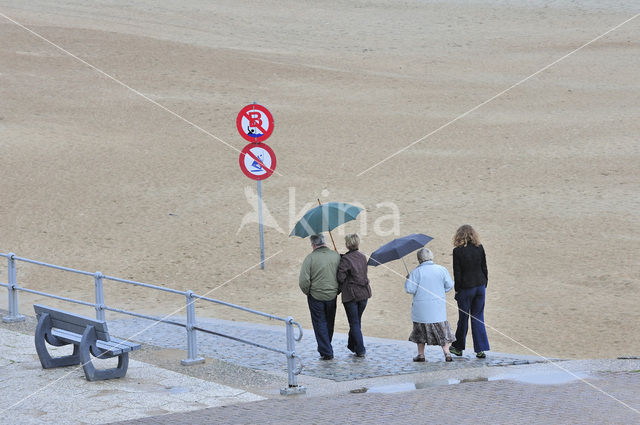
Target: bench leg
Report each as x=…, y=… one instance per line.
x=43, y=333
x=87, y=345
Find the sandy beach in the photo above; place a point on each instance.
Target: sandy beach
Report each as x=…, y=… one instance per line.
x=504, y=128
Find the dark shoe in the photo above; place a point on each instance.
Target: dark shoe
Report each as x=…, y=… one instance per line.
x=447, y=358
x=418, y=358
x=455, y=351
x=326, y=357
x=360, y=355
x=481, y=355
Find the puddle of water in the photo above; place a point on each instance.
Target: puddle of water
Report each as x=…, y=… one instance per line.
x=395, y=388
x=539, y=378
x=406, y=386
x=542, y=378
x=178, y=390
x=436, y=383
x=480, y=379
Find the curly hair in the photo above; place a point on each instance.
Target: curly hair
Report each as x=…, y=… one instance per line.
x=464, y=235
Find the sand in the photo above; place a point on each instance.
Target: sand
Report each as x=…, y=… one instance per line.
x=96, y=177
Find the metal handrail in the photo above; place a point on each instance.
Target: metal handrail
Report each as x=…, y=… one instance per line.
x=245, y=341
x=145, y=285
x=53, y=266
x=190, y=324
x=239, y=307
x=144, y=316
x=58, y=297
x=286, y=353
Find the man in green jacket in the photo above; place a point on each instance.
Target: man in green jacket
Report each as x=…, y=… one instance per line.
x=318, y=282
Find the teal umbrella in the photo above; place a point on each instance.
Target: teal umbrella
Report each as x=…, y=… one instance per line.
x=325, y=218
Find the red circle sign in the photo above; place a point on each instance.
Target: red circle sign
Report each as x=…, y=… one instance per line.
x=255, y=123
x=257, y=161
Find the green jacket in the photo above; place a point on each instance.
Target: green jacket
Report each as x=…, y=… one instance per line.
x=318, y=274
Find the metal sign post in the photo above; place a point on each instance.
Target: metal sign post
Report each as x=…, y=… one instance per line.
x=257, y=160
x=260, y=224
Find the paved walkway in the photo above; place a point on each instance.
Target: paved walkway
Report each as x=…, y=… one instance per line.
x=490, y=402
x=32, y=395
x=388, y=387
x=385, y=387
x=385, y=357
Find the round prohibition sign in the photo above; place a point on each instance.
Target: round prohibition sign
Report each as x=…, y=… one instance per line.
x=257, y=161
x=255, y=123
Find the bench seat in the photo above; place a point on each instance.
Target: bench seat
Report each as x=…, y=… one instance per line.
x=90, y=337
x=112, y=348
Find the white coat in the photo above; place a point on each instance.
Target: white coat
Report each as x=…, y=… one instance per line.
x=428, y=283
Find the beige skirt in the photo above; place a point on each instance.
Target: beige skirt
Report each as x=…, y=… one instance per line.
x=432, y=333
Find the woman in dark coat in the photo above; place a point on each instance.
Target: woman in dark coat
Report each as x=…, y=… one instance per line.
x=471, y=277
x=354, y=285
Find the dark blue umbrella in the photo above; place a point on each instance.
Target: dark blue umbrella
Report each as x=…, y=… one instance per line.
x=398, y=248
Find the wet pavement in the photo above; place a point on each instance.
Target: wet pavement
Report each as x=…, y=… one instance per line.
x=30, y=394
x=603, y=398
x=385, y=357
x=385, y=387
x=549, y=377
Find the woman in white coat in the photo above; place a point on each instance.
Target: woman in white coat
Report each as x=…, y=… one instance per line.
x=428, y=283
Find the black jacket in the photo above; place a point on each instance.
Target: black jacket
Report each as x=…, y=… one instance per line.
x=352, y=277
x=469, y=267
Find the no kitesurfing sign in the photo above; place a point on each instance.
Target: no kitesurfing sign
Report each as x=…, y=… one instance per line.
x=255, y=123
x=257, y=161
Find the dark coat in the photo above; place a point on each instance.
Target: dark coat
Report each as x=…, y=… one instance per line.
x=352, y=277
x=469, y=267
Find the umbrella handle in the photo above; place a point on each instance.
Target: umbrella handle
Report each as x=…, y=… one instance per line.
x=332, y=241
x=405, y=265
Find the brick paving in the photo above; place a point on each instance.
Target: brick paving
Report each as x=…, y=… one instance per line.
x=486, y=402
x=385, y=357
x=401, y=392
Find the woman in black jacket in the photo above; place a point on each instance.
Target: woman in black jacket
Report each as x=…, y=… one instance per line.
x=354, y=285
x=471, y=277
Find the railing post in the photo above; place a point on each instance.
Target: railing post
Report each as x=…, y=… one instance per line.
x=192, y=344
x=13, y=316
x=97, y=277
x=293, y=387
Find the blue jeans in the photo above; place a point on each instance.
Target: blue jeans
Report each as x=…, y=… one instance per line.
x=471, y=300
x=354, y=310
x=323, y=317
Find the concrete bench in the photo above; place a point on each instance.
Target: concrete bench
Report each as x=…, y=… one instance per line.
x=88, y=336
